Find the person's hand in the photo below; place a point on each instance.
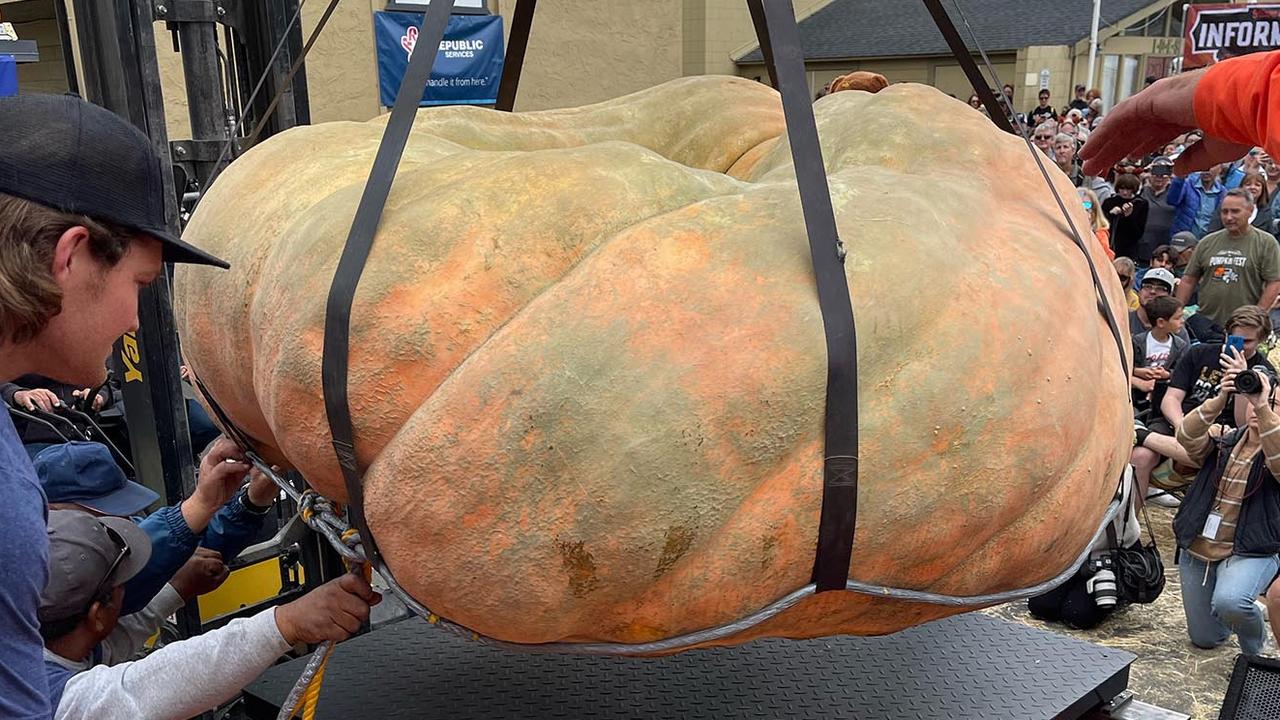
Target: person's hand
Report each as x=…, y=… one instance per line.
x=1146, y=385
x=1233, y=363
x=222, y=472
x=38, y=398
x=1115, y=210
x=184, y=372
x=1127, y=208
x=98, y=399
x=1144, y=373
x=262, y=489
x=1147, y=121
x=1251, y=163
x=1263, y=396
x=203, y=573
x=1161, y=373
x=334, y=611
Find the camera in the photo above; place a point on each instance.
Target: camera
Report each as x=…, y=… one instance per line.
x=1249, y=382
x=1102, y=584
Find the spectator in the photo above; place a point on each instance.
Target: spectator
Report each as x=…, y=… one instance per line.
x=1016, y=119
x=1164, y=257
x=1228, y=528
x=1156, y=353
x=1126, y=270
x=1196, y=199
x=1160, y=213
x=1127, y=214
x=1043, y=138
x=1271, y=171
x=1080, y=102
x=975, y=102
x=1253, y=183
x=1097, y=221
x=1239, y=265
x=1095, y=110
x=1200, y=369
x=1157, y=282
x=91, y=557
x=1043, y=111
x=1064, y=156
x=1184, y=244
x=218, y=516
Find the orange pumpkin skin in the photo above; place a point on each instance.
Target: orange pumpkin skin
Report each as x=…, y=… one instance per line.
x=588, y=366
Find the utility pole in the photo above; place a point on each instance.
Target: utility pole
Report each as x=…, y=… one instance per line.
x=1093, y=41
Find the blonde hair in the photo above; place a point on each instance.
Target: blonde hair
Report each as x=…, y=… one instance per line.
x=29, y=232
x=1097, y=220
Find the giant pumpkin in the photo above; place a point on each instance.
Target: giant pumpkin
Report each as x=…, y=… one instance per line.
x=588, y=366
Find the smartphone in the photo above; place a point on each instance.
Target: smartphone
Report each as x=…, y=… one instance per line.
x=1237, y=342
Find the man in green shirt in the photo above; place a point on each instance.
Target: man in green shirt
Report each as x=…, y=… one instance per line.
x=1238, y=265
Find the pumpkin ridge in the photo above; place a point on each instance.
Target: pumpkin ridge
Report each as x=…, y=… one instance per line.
x=594, y=249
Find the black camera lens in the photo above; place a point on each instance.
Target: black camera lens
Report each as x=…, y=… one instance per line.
x=1248, y=382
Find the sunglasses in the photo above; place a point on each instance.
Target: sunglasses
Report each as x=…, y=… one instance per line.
x=1088, y=204
x=1044, y=137
x=123, y=553
x=1126, y=279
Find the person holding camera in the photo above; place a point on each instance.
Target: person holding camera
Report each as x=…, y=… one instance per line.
x=1228, y=527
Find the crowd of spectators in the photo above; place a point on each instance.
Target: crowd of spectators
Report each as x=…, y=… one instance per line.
x=1199, y=261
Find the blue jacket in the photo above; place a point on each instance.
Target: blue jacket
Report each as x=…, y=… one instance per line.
x=1186, y=195
x=232, y=529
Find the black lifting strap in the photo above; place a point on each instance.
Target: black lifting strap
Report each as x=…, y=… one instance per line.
x=780, y=41
x=337, y=321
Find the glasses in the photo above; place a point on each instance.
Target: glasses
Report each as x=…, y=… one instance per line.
x=1088, y=204
x=1126, y=279
x=1044, y=137
x=115, y=564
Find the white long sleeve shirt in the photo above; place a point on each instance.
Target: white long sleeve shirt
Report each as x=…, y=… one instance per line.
x=177, y=681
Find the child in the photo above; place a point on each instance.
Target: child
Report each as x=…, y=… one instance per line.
x=1155, y=354
x=1155, y=351
x=1164, y=257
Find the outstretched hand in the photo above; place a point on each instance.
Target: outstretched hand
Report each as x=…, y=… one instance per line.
x=1150, y=119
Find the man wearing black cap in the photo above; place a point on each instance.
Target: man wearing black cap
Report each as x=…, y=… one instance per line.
x=90, y=558
x=82, y=230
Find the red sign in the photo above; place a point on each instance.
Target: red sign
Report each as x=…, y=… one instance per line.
x=1218, y=32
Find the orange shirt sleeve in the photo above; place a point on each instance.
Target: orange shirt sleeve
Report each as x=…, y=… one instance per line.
x=1237, y=98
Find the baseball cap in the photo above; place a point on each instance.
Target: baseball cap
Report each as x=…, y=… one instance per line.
x=1079, y=88
x=87, y=555
x=1183, y=240
x=84, y=473
x=1160, y=275
x=1161, y=167
x=71, y=155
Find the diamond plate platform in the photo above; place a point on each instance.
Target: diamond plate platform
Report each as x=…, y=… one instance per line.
x=968, y=666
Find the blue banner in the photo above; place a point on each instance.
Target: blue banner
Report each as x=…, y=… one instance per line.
x=468, y=67
x=8, y=76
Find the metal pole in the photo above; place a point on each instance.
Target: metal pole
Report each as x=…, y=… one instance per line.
x=68, y=51
x=1093, y=41
x=199, y=41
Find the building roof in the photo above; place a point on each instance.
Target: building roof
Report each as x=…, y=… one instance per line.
x=895, y=28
